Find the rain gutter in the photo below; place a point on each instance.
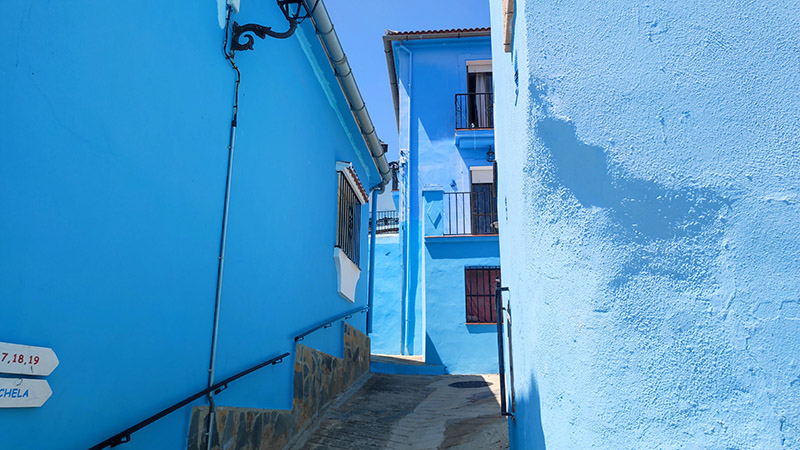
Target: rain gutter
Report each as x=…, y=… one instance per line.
x=344, y=75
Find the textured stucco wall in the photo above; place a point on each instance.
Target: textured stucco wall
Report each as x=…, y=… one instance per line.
x=649, y=197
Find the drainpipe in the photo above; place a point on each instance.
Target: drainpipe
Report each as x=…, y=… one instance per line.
x=375, y=191
x=223, y=238
x=404, y=250
x=404, y=157
x=344, y=76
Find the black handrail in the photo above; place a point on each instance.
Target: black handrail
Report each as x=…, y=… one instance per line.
x=510, y=358
x=329, y=323
x=125, y=436
x=501, y=360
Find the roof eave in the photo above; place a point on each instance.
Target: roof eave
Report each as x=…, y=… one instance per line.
x=391, y=36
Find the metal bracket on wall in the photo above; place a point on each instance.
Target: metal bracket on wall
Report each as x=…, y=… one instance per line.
x=294, y=11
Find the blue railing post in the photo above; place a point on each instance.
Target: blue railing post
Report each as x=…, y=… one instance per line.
x=373, y=230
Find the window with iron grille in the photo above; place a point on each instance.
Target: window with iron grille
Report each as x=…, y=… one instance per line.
x=349, y=221
x=479, y=284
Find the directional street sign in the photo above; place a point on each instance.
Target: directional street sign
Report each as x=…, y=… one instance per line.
x=26, y=360
x=23, y=392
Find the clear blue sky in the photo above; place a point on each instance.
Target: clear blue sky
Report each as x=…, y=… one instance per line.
x=360, y=25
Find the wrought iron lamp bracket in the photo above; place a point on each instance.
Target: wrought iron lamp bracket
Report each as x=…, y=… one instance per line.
x=294, y=11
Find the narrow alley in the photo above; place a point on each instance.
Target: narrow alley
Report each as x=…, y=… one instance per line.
x=414, y=412
x=322, y=224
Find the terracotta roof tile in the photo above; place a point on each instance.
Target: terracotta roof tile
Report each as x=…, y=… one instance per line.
x=451, y=30
x=358, y=183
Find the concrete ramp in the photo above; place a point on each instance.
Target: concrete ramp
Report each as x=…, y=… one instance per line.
x=415, y=412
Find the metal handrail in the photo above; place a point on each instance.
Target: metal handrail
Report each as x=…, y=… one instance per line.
x=501, y=360
x=330, y=323
x=125, y=436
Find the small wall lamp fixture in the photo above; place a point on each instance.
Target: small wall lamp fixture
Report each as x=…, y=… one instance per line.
x=490, y=154
x=294, y=11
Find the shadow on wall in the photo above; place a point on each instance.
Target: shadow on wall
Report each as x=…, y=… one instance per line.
x=645, y=216
x=529, y=414
x=671, y=233
x=432, y=357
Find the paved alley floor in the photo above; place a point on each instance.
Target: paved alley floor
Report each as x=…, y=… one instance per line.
x=415, y=412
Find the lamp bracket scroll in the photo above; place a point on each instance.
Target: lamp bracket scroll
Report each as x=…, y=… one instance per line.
x=294, y=11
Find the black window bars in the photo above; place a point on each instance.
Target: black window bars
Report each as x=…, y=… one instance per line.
x=479, y=291
x=348, y=225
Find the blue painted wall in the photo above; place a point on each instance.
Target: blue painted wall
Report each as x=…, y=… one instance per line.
x=461, y=348
x=430, y=73
x=385, y=336
x=115, y=125
x=649, y=201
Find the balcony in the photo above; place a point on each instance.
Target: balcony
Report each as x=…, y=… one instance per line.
x=469, y=213
x=386, y=222
x=475, y=111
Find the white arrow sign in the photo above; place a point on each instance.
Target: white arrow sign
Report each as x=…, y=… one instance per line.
x=26, y=360
x=23, y=392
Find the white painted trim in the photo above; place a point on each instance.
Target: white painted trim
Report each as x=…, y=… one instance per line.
x=349, y=173
x=347, y=274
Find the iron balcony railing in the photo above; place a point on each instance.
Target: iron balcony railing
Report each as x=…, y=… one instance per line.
x=386, y=222
x=474, y=111
x=470, y=213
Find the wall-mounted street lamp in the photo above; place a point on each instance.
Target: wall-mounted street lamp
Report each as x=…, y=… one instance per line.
x=490, y=154
x=294, y=11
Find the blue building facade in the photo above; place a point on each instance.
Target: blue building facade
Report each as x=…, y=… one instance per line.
x=649, y=201
x=115, y=144
x=445, y=255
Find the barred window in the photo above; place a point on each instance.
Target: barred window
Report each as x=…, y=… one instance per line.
x=349, y=221
x=480, y=293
